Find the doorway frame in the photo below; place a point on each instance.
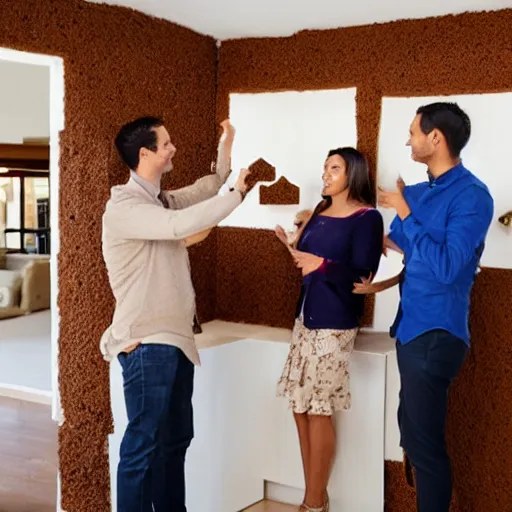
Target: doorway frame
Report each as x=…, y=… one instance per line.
x=57, y=121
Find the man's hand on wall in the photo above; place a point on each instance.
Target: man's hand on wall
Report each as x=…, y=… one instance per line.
x=229, y=131
x=395, y=200
x=241, y=184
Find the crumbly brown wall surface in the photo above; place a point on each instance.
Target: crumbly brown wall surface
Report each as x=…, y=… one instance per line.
x=118, y=65
x=480, y=405
x=400, y=497
x=261, y=170
x=468, y=53
x=465, y=54
x=281, y=192
x=257, y=282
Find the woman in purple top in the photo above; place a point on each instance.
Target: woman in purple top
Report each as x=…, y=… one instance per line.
x=339, y=244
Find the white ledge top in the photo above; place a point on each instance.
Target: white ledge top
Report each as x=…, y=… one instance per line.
x=218, y=332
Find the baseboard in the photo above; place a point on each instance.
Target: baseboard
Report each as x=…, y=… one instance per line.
x=26, y=394
x=283, y=493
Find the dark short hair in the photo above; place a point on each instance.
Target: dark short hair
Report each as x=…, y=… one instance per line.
x=450, y=120
x=134, y=136
x=359, y=182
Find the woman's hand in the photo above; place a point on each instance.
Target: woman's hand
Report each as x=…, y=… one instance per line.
x=281, y=234
x=389, y=244
x=306, y=261
x=365, y=286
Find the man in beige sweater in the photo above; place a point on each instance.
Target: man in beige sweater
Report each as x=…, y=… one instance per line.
x=146, y=232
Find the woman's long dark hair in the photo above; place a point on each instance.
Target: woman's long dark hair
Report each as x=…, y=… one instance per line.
x=359, y=182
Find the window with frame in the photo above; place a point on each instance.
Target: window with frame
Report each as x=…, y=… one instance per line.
x=25, y=211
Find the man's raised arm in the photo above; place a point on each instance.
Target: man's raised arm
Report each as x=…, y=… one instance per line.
x=208, y=186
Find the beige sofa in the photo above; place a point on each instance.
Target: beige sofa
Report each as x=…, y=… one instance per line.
x=24, y=284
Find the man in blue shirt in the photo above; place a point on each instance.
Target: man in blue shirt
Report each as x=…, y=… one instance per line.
x=440, y=227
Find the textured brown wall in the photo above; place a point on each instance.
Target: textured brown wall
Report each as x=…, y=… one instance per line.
x=400, y=497
x=480, y=425
x=256, y=278
x=257, y=282
x=118, y=65
x=261, y=170
x=160, y=68
x=480, y=409
x=280, y=192
x=469, y=53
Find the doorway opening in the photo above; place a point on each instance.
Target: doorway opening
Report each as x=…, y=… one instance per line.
x=31, y=118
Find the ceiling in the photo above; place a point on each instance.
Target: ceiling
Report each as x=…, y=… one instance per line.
x=229, y=19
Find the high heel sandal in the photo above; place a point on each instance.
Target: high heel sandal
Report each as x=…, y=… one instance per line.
x=326, y=504
x=324, y=508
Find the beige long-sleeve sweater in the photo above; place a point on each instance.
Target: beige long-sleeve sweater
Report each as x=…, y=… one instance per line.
x=148, y=264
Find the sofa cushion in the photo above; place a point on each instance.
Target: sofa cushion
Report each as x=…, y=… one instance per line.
x=7, y=298
x=10, y=313
x=12, y=281
x=35, y=292
x=18, y=261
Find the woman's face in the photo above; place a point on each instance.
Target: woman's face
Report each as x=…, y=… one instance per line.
x=334, y=176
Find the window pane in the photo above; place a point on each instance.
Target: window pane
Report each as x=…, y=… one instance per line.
x=12, y=241
x=31, y=243
x=3, y=209
x=11, y=206
x=36, y=203
x=9, y=211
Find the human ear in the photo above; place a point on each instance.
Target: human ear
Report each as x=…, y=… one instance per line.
x=143, y=153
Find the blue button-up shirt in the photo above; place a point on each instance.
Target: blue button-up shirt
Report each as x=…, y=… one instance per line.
x=442, y=240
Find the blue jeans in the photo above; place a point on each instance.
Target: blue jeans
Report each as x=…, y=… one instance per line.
x=158, y=386
x=428, y=365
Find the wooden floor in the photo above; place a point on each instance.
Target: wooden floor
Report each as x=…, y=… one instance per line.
x=28, y=460
x=271, y=506
x=28, y=457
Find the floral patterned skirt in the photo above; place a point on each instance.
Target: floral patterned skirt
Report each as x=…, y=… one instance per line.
x=315, y=378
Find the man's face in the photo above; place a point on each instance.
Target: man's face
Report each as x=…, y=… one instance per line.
x=422, y=146
x=161, y=159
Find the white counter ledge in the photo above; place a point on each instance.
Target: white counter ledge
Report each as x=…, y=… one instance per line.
x=245, y=437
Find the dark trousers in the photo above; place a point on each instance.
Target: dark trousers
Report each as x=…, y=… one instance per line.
x=427, y=366
x=158, y=386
